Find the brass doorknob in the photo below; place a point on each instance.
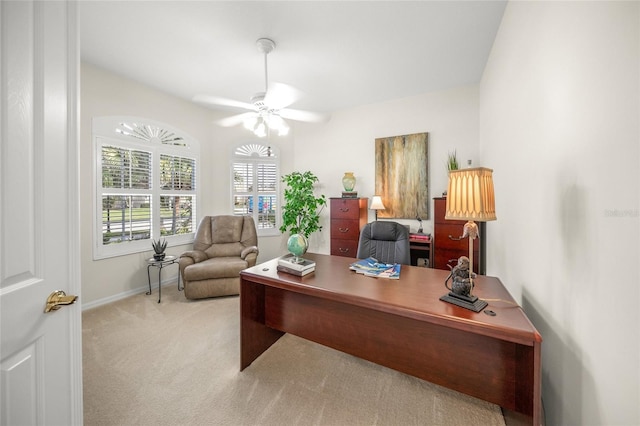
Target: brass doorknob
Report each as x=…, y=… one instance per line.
x=57, y=299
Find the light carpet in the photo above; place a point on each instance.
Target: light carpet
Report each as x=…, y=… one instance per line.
x=177, y=363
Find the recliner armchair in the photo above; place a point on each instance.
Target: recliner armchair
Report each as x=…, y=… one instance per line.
x=385, y=241
x=224, y=246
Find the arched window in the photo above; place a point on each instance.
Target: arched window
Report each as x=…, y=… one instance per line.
x=146, y=185
x=255, y=178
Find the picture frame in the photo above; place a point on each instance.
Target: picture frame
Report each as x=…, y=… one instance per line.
x=402, y=171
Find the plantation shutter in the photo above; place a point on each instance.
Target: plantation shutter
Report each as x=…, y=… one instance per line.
x=126, y=185
x=255, y=185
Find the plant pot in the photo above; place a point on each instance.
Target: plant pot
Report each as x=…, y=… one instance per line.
x=159, y=256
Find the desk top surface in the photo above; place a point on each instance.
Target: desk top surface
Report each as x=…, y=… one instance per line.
x=415, y=295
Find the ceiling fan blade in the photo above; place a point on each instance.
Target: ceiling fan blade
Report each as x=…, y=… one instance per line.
x=280, y=95
x=208, y=100
x=300, y=115
x=234, y=120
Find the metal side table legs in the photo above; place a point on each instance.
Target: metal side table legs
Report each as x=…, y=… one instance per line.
x=168, y=260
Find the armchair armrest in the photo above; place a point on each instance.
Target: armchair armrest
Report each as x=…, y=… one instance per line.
x=248, y=250
x=195, y=255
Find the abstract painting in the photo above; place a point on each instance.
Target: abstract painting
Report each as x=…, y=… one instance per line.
x=402, y=168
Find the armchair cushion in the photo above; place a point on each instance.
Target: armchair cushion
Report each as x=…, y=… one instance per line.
x=219, y=267
x=226, y=229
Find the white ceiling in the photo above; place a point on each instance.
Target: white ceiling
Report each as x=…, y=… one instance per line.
x=341, y=54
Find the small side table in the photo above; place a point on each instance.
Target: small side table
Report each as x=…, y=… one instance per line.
x=168, y=260
x=420, y=248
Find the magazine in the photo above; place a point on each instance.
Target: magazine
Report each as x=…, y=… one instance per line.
x=371, y=267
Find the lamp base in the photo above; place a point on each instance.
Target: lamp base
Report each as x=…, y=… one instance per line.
x=468, y=302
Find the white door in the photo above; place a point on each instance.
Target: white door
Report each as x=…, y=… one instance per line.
x=40, y=353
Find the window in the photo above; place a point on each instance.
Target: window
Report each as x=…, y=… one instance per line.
x=145, y=185
x=255, y=182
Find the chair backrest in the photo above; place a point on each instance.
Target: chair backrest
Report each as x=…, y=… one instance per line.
x=385, y=241
x=225, y=235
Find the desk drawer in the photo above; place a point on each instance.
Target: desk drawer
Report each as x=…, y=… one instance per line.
x=345, y=229
x=345, y=208
x=442, y=240
x=347, y=248
x=445, y=258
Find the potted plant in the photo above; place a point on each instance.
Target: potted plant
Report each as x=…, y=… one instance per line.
x=159, y=248
x=301, y=210
x=452, y=164
x=452, y=161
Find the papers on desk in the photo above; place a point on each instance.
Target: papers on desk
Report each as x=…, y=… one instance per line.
x=371, y=267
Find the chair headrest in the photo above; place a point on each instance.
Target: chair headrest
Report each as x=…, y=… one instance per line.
x=388, y=231
x=226, y=229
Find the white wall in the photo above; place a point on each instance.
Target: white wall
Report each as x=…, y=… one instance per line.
x=104, y=93
x=347, y=143
x=559, y=117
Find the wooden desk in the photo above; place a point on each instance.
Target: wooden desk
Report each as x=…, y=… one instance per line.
x=400, y=324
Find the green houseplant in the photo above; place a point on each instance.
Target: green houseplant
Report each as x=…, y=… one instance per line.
x=301, y=210
x=159, y=248
x=452, y=164
x=452, y=161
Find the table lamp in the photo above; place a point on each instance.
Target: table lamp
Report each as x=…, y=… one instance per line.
x=470, y=197
x=376, y=204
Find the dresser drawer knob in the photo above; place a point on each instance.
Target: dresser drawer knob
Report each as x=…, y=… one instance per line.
x=344, y=209
x=343, y=230
x=343, y=250
x=454, y=238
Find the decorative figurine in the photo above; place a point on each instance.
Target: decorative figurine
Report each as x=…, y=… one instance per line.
x=462, y=284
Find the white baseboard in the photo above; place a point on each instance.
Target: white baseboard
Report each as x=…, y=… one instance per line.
x=142, y=289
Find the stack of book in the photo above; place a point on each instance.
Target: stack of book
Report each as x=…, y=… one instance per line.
x=302, y=268
x=371, y=267
x=420, y=237
x=349, y=194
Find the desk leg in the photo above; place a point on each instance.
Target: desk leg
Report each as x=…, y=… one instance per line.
x=149, y=278
x=255, y=336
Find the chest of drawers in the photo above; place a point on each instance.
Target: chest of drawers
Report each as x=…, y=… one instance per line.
x=447, y=247
x=348, y=216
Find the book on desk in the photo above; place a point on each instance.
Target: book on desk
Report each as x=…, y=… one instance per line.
x=295, y=272
x=372, y=268
x=300, y=268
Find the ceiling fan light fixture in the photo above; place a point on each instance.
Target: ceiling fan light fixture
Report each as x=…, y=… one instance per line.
x=261, y=129
x=267, y=110
x=266, y=120
x=250, y=123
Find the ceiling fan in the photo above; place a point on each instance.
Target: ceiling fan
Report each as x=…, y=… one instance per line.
x=267, y=109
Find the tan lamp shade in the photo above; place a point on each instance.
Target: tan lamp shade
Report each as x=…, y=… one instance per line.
x=376, y=203
x=470, y=195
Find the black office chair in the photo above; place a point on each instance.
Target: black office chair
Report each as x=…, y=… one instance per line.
x=385, y=241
